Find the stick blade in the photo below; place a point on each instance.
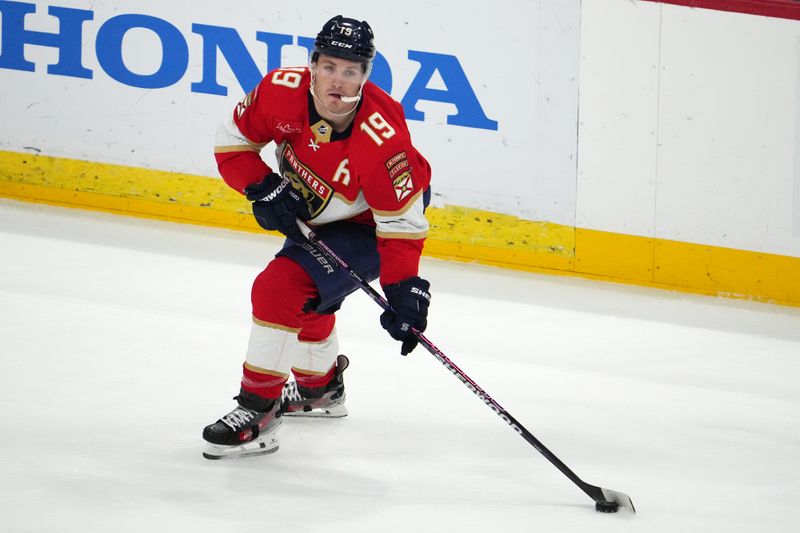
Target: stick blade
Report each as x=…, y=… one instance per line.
x=619, y=498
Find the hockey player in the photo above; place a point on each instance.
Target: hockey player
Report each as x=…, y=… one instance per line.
x=346, y=166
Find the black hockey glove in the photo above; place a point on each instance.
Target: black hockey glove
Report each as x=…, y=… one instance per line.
x=276, y=205
x=409, y=300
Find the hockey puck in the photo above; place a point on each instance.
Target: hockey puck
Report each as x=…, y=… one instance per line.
x=606, y=507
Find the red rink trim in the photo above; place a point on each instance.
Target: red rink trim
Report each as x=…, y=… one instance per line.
x=786, y=9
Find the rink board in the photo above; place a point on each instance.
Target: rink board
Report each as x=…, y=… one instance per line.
x=457, y=233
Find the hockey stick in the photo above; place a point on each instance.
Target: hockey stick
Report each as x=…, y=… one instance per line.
x=607, y=501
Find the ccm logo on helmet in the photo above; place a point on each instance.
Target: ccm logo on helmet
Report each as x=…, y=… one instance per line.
x=340, y=44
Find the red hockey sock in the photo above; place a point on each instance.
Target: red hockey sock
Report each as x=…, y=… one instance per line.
x=262, y=382
x=313, y=381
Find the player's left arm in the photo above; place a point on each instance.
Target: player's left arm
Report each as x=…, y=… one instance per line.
x=395, y=179
x=395, y=189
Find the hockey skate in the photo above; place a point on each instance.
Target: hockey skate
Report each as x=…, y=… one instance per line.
x=250, y=429
x=320, y=402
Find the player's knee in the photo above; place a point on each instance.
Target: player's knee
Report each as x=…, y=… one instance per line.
x=283, y=284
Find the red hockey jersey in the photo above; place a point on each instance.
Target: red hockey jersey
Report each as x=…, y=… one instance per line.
x=370, y=172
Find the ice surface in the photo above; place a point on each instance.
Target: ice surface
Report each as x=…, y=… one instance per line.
x=121, y=338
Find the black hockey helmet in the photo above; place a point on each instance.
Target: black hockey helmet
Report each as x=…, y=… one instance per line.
x=347, y=39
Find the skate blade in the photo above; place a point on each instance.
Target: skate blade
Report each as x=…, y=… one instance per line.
x=259, y=446
x=337, y=411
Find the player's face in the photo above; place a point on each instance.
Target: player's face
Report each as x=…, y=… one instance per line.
x=334, y=78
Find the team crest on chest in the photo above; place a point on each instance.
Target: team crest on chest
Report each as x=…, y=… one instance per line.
x=316, y=192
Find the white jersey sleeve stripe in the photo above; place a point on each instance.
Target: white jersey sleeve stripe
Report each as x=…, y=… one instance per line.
x=411, y=224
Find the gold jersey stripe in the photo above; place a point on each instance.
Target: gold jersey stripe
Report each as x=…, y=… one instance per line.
x=260, y=370
x=235, y=148
x=275, y=326
x=345, y=200
x=310, y=372
x=397, y=235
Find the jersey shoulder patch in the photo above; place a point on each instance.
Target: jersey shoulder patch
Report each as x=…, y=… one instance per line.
x=399, y=170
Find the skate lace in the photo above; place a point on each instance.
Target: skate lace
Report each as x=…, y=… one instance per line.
x=290, y=393
x=237, y=418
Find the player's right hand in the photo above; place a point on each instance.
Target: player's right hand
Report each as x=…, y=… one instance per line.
x=277, y=205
